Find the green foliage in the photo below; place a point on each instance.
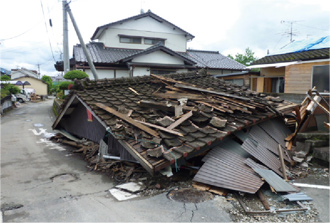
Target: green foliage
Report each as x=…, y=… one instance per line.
x=49, y=82
x=5, y=78
x=64, y=85
x=246, y=58
x=73, y=74
x=13, y=89
x=7, y=89
x=4, y=93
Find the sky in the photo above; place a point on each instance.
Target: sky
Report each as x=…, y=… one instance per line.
x=29, y=40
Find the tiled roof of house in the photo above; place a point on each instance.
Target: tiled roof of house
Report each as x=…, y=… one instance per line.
x=295, y=56
x=147, y=14
x=213, y=60
x=202, y=59
x=214, y=109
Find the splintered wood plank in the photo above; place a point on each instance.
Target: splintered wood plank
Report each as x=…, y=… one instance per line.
x=178, y=95
x=185, y=86
x=167, y=79
x=180, y=120
x=216, y=107
x=128, y=119
x=160, y=128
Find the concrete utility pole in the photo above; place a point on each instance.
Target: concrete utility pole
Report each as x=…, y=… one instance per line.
x=66, y=63
x=89, y=60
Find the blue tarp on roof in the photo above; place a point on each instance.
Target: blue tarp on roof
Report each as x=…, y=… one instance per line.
x=5, y=71
x=305, y=45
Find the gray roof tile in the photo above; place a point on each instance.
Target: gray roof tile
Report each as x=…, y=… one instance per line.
x=202, y=59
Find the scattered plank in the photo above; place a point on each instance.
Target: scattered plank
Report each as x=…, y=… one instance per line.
x=135, y=92
x=263, y=200
x=128, y=119
x=160, y=128
x=180, y=120
x=280, y=153
x=184, y=86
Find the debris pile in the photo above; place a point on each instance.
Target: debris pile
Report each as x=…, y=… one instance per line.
x=232, y=138
x=161, y=121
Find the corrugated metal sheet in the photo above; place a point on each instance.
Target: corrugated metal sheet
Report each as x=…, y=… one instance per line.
x=229, y=145
x=263, y=155
x=274, y=180
x=277, y=129
x=297, y=197
x=227, y=170
x=263, y=138
x=241, y=135
x=253, y=164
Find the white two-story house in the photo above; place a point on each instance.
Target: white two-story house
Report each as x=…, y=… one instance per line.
x=146, y=44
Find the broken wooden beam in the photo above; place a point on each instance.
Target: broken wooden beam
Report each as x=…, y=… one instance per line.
x=160, y=128
x=280, y=153
x=263, y=200
x=128, y=119
x=216, y=107
x=180, y=120
x=178, y=95
x=184, y=86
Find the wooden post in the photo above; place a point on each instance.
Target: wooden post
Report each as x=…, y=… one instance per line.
x=280, y=152
x=263, y=200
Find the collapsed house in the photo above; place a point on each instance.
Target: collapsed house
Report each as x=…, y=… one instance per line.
x=164, y=121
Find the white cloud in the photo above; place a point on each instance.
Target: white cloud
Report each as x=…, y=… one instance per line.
x=218, y=25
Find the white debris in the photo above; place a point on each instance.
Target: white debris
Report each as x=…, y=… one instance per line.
x=131, y=186
x=122, y=195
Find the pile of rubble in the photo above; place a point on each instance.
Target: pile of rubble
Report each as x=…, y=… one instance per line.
x=232, y=139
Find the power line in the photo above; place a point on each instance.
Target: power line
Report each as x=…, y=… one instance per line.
x=50, y=44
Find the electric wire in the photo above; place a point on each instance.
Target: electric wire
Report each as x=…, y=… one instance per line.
x=50, y=44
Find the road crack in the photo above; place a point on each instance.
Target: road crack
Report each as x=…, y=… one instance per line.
x=193, y=212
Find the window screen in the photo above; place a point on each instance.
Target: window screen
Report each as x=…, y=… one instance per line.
x=320, y=78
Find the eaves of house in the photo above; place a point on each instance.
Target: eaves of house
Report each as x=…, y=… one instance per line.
x=307, y=51
x=100, y=29
x=146, y=118
x=106, y=56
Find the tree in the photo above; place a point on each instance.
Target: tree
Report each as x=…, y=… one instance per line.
x=246, y=58
x=75, y=74
x=5, y=78
x=49, y=82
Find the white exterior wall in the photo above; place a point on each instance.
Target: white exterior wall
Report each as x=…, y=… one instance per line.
x=107, y=74
x=158, y=57
x=145, y=27
x=141, y=71
x=122, y=73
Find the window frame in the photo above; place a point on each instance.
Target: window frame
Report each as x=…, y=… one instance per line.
x=131, y=38
x=312, y=78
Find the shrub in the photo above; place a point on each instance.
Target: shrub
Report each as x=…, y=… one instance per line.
x=5, y=78
x=73, y=74
x=64, y=85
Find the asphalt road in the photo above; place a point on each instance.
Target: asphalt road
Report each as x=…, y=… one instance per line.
x=33, y=188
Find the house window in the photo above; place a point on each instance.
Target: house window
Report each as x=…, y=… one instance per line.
x=150, y=41
x=126, y=39
x=162, y=71
x=239, y=82
x=320, y=78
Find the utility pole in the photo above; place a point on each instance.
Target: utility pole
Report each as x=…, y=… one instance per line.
x=38, y=70
x=66, y=63
x=88, y=57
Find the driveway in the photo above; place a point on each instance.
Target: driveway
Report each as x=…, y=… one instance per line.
x=42, y=181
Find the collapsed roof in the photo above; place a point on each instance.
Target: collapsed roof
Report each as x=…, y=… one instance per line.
x=164, y=120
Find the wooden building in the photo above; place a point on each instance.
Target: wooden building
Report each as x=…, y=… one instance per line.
x=305, y=66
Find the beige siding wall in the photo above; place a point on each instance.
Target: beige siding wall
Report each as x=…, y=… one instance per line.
x=39, y=86
x=272, y=72
x=298, y=77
